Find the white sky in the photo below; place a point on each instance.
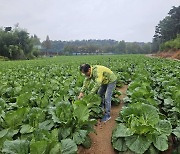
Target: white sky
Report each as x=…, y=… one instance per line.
x=129, y=20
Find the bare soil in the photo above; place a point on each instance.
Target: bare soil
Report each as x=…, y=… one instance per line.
x=101, y=140
x=175, y=55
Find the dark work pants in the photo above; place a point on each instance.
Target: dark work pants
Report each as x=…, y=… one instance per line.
x=105, y=92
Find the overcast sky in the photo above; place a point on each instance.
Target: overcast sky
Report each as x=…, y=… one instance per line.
x=129, y=20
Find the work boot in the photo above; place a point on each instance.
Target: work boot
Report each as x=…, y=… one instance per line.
x=106, y=118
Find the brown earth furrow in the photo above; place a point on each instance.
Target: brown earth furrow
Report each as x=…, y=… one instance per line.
x=101, y=140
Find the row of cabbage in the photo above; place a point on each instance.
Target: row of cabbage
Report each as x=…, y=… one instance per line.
x=39, y=110
x=150, y=119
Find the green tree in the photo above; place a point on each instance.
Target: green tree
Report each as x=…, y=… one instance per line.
x=133, y=48
x=35, y=40
x=167, y=29
x=24, y=42
x=146, y=48
x=121, y=47
x=16, y=44
x=68, y=49
x=47, y=44
x=16, y=52
x=93, y=49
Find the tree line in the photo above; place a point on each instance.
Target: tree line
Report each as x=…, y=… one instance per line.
x=95, y=47
x=167, y=32
x=18, y=44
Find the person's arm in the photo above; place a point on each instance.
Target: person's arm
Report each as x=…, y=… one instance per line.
x=85, y=84
x=98, y=83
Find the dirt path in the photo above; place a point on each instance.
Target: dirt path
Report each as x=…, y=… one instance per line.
x=167, y=55
x=101, y=141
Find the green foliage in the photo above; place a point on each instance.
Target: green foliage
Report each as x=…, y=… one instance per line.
x=96, y=47
x=16, y=44
x=14, y=119
x=166, y=31
x=171, y=45
x=3, y=58
x=38, y=102
x=155, y=83
x=47, y=44
x=87, y=143
x=116, y=97
x=38, y=147
x=176, y=132
x=140, y=127
x=16, y=147
x=68, y=146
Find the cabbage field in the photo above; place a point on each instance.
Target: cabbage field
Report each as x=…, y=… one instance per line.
x=40, y=113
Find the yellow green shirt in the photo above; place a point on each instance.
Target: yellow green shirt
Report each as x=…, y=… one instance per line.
x=100, y=75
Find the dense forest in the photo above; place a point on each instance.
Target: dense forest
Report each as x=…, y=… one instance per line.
x=167, y=32
x=95, y=47
x=16, y=43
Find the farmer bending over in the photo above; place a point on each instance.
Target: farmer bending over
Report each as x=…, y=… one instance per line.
x=105, y=82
